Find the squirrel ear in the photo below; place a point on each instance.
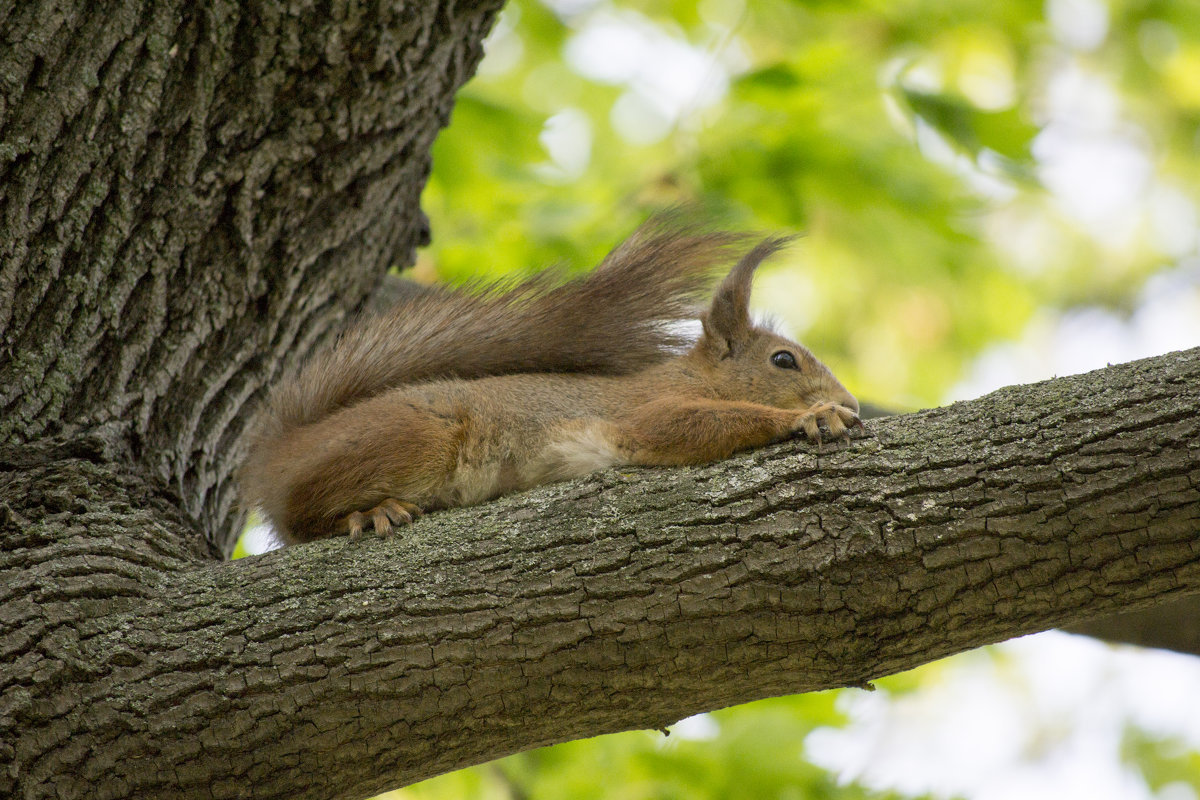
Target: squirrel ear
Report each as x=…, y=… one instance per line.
x=727, y=321
x=712, y=342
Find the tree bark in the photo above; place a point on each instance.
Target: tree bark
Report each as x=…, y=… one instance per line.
x=626, y=600
x=195, y=195
x=192, y=198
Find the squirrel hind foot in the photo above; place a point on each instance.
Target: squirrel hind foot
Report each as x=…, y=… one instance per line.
x=382, y=518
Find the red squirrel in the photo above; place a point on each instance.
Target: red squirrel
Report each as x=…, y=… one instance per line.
x=454, y=397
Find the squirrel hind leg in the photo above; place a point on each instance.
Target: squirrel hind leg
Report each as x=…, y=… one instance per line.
x=382, y=518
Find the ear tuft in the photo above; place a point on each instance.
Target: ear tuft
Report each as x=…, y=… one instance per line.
x=727, y=322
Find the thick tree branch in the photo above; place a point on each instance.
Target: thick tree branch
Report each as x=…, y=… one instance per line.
x=630, y=599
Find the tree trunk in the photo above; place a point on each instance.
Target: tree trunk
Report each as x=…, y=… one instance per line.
x=192, y=198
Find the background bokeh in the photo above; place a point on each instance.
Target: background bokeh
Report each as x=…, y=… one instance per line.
x=988, y=193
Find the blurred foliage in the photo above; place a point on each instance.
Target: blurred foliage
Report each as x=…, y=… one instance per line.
x=1162, y=762
x=751, y=753
x=919, y=147
x=901, y=138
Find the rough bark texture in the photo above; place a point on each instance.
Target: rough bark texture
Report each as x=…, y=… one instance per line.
x=192, y=197
x=630, y=599
x=190, y=190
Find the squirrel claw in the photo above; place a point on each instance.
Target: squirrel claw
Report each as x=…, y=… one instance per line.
x=827, y=422
x=382, y=518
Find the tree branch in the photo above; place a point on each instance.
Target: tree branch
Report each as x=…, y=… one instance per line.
x=632, y=599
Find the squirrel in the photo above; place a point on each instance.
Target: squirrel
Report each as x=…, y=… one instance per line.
x=454, y=397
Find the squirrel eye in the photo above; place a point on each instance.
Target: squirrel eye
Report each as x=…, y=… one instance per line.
x=784, y=360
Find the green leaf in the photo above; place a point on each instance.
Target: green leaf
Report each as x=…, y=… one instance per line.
x=1004, y=132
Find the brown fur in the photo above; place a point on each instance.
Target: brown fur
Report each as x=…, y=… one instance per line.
x=453, y=398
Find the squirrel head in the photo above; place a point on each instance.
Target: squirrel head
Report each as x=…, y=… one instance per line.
x=748, y=362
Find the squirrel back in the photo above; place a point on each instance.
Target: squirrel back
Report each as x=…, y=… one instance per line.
x=612, y=321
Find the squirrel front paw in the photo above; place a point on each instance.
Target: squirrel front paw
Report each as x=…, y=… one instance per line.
x=382, y=518
x=837, y=419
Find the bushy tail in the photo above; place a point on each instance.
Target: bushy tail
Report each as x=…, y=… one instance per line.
x=611, y=321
